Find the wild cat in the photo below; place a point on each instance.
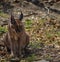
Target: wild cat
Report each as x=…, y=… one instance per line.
x=16, y=39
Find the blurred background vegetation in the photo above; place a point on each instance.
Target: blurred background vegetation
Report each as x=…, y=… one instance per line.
x=43, y=28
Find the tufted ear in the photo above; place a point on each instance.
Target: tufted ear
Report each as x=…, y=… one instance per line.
x=12, y=19
x=21, y=16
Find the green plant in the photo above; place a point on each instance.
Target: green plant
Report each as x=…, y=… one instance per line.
x=58, y=33
x=28, y=23
x=31, y=58
x=48, y=57
x=3, y=30
x=2, y=14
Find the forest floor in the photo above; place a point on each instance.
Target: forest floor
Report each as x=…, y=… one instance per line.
x=43, y=29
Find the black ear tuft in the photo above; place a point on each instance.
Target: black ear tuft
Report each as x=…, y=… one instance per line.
x=12, y=20
x=21, y=16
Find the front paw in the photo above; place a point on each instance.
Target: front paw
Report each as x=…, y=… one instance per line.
x=11, y=55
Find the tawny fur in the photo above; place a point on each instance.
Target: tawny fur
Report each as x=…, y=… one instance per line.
x=14, y=41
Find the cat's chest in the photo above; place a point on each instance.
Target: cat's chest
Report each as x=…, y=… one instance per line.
x=17, y=36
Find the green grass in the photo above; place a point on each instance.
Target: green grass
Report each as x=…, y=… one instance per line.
x=2, y=14
x=31, y=58
x=58, y=33
x=42, y=21
x=48, y=57
x=28, y=23
x=3, y=30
